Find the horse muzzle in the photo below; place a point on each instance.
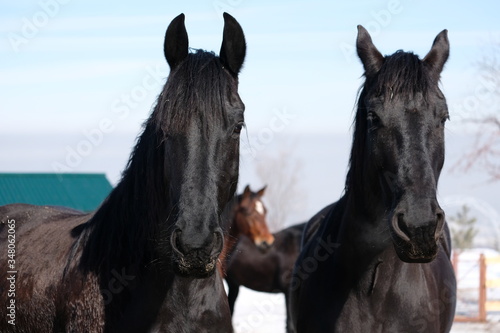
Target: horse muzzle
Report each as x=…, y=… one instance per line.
x=264, y=244
x=194, y=258
x=416, y=241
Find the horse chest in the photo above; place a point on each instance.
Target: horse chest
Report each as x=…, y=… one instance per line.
x=391, y=296
x=195, y=305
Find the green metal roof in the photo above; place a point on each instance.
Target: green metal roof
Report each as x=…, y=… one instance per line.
x=80, y=191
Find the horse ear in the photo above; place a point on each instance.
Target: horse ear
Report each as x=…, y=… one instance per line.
x=176, y=42
x=260, y=193
x=246, y=191
x=233, y=50
x=437, y=56
x=371, y=58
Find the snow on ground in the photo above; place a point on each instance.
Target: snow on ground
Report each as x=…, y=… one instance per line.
x=468, y=280
x=493, y=327
x=265, y=313
x=257, y=312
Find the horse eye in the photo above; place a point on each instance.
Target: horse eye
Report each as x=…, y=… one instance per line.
x=371, y=116
x=373, y=120
x=444, y=119
x=238, y=127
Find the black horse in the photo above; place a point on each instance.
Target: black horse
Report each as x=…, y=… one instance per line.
x=380, y=258
x=146, y=259
x=267, y=271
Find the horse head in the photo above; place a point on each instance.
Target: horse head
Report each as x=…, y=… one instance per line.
x=402, y=113
x=201, y=115
x=250, y=218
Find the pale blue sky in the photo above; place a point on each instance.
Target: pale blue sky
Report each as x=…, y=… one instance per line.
x=69, y=68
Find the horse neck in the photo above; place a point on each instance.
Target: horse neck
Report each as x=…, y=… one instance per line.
x=232, y=232
x=128, y=221
x=363, y=215
x=366, y=201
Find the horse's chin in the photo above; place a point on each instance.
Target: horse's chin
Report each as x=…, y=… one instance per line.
x=412, y=253
x=195, y=268
x=263, y=247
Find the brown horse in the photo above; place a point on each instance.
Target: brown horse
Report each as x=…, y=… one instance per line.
x=247, y=217
x=269, y=271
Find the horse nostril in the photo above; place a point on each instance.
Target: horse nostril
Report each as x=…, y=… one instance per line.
x=263, y=246
x=440, y=219
x=175, y=242
x=400, y=228
x=218, y=243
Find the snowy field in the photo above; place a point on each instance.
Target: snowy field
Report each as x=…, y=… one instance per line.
x=265, y=313
x=468, y=281
x=257, y=312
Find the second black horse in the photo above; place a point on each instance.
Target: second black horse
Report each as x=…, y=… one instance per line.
x=380, y=258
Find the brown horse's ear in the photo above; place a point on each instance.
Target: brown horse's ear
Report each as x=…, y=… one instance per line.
x=371, y=58
x=247, y=191
x=437, y=56
x=260, y=193
x=176, y=42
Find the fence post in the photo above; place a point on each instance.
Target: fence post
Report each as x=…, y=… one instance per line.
x=454, y=262
x=482, y=288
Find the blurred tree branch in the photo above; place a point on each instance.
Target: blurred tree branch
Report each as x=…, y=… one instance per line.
x=485, y=152
x=284, y=196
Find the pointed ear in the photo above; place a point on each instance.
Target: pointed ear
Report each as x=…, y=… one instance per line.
x=260, y=193
x=233, y=49
x=246, y=192
x=176, y=42
x=371, y=58
x=437, y=56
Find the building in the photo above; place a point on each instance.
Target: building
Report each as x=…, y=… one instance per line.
x=79, y=191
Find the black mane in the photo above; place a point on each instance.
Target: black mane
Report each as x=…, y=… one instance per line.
x=121, y=229
x=402, y=73
x=195, y=86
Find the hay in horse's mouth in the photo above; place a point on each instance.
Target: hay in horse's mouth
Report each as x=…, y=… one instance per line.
x=195, y=266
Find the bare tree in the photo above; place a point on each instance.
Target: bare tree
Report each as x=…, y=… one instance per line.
x=284, y=197
x=486, y=150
